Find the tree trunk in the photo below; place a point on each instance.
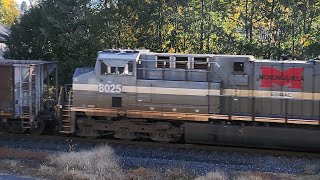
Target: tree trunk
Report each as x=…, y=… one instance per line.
x=246, y=21
x=293, y=29
x=271, y=30
x=159, y=28
x=304, y=16
x=202, y=27
x=251, y=20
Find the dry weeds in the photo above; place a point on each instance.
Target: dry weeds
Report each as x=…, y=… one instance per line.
x=272, y=176
x=214, y=175
x=21, y=154
x=178, y=173
x=311, y=169
x=141, y=174
x=99, y=163
x=170, y=174
x=17, y=167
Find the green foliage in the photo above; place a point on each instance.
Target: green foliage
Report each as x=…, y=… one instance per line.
x=63, y=31
x=72, y=31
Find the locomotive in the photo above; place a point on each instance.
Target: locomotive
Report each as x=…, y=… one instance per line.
x=195, y=98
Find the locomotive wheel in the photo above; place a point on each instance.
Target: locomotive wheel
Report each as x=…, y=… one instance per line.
x=125, y=134
x=85, y=129
x=17, y=129
x=1, y=125
x=161, y=136
x=38, y=127
x=13, y=127
x=4, y=127
x=166, y=132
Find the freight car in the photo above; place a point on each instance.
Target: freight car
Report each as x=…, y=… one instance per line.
x=27, y=95
x=197, y=98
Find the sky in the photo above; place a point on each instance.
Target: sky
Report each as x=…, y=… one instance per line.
x=20, y=1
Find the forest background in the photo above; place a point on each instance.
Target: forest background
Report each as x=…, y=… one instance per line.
x=73, y=31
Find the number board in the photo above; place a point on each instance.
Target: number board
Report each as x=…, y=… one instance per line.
x=110, y=88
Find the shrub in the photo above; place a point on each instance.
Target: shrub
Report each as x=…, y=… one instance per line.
x=98, y=163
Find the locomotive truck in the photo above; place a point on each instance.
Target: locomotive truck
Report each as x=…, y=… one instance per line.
x=196, y=98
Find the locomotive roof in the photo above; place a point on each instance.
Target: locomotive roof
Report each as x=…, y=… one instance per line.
x=198, y=55
x=179, y=54
x=84, y=70
x=127, y=55
x=284, y=61
x=118, y=55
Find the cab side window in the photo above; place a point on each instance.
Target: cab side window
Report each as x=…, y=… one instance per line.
x=130, y=68
x=120, y=70
x=126, y=70
x=238, y=66
x=103, y=68
x=117, y=70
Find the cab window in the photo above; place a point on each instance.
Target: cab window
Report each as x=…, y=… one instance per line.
x=113, y=70
x=126, y=70
x=238, y=66
x=120, y=70
x=117, y=70
x=103, y=68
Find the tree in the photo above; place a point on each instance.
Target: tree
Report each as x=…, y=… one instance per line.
x=60, y=30
x=72, y=31
x=8, y=12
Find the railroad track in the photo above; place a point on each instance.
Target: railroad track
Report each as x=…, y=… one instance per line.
x=70, y=140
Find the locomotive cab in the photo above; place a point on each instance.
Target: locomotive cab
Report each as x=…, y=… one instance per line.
x=102, y=87
x=115, y=69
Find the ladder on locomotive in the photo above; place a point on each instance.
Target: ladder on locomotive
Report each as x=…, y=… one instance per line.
x=67, y=122
x=27, y=103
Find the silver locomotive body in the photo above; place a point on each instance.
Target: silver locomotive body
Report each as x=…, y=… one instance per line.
x=205, y=98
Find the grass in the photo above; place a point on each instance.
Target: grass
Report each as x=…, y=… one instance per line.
x=101, y=163
x=21, y=154
x=272, y=176
x=20, y=167
x=312, y=169
x=213, y=175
